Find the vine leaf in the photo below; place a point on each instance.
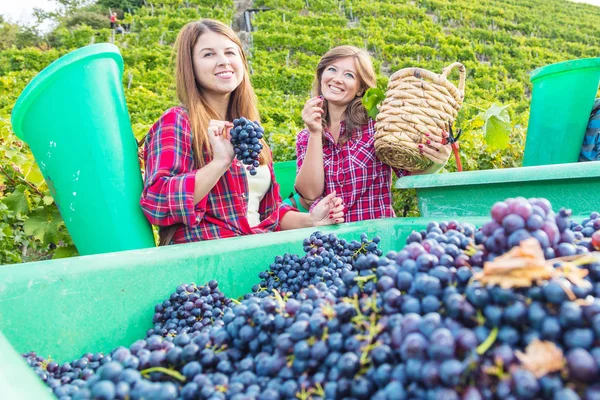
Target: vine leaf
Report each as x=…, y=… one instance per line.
x=65, y=252
x=496, y=126
x=524, y=265
x=519, y=267
x=371, y=100
x=541, y=358
x=43, y=225
x=18, y=201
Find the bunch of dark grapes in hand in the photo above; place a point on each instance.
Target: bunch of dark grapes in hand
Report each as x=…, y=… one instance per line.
x=245, y=137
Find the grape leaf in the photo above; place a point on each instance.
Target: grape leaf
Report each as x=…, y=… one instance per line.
x=43, y=225
x=541, y=358
x=371, y=99
x=48, y=200
x=519, y=267
x=34, y=175
x=65, y=252
x=496, y=125
x=18, y=202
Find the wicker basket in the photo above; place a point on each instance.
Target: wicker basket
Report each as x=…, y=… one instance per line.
x=417, y=101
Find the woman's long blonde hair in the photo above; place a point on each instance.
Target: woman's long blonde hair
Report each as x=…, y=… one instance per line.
x=242, y=101
x=355, y=114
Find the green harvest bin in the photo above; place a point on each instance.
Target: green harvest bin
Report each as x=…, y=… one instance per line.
x=74, y=118
x=285, y=174
x=562, y=98
x=66, y=307
x=472, y=193
x=16, y=381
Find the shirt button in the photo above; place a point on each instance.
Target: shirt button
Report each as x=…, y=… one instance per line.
x=243, y=195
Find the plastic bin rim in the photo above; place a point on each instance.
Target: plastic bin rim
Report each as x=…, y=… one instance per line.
x=33, y=88
x=564, y=66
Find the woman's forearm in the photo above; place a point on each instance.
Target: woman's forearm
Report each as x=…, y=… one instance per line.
x=207, y=177
x=310, y=181
x=295, y=220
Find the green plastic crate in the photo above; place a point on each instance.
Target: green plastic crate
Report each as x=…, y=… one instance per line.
x=285, y=175
x=64, y=308
x=472, y=193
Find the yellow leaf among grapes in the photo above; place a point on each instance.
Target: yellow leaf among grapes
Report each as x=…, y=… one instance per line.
x=541, y=358
x=519, y=267
x=525, y=264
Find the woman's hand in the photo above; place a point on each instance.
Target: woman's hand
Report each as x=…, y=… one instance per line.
x=436, y=149
x=312, y=115
x=329, y=211
x=218, y=136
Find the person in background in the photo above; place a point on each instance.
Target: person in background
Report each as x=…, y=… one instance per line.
x=194, y=189
x=113, y=20
x=336, y=153
x=590, y=149
x=119, y=29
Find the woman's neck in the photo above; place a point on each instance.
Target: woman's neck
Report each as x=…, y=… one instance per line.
x=335, y=119
x=219, y=103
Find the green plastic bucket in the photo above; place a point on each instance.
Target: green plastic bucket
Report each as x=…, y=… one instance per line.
x=562, y=98
x=285, y=175
x=74, y=118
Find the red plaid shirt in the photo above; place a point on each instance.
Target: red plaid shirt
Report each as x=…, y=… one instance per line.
x=355, y=173
x=168, y=195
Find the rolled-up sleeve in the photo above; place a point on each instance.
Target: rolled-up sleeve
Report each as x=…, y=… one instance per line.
x=170, y=178
x=301, y=146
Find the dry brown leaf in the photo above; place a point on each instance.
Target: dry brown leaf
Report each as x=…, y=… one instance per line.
x=541, y=358
x=574, y=274
x=525, y=264
x=588, y=301
x=566, y=287
x=519, y=267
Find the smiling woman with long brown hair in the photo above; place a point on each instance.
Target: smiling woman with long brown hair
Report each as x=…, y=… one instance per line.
x=336, y=151
x=193, y=188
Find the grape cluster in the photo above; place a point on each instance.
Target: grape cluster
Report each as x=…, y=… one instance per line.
x=68, y=378
x=587, y=233
x=326, y=259
x=515, y=220
x=343, y=321
x=245, y=137
x=190, y=308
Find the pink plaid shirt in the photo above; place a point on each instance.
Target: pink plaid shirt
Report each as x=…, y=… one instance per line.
x=355, y=173
x=168, y=194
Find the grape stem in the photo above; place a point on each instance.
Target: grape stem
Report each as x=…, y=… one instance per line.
x=15, y=180
x=166, y=371
x=488, y=342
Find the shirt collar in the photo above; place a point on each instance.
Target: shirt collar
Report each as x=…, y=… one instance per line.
x=328, y=135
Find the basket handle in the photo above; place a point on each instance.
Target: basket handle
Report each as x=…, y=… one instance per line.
x=462, y=76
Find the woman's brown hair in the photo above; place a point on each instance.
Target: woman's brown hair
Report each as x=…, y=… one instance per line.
x=355, y=114
x=242, y=102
